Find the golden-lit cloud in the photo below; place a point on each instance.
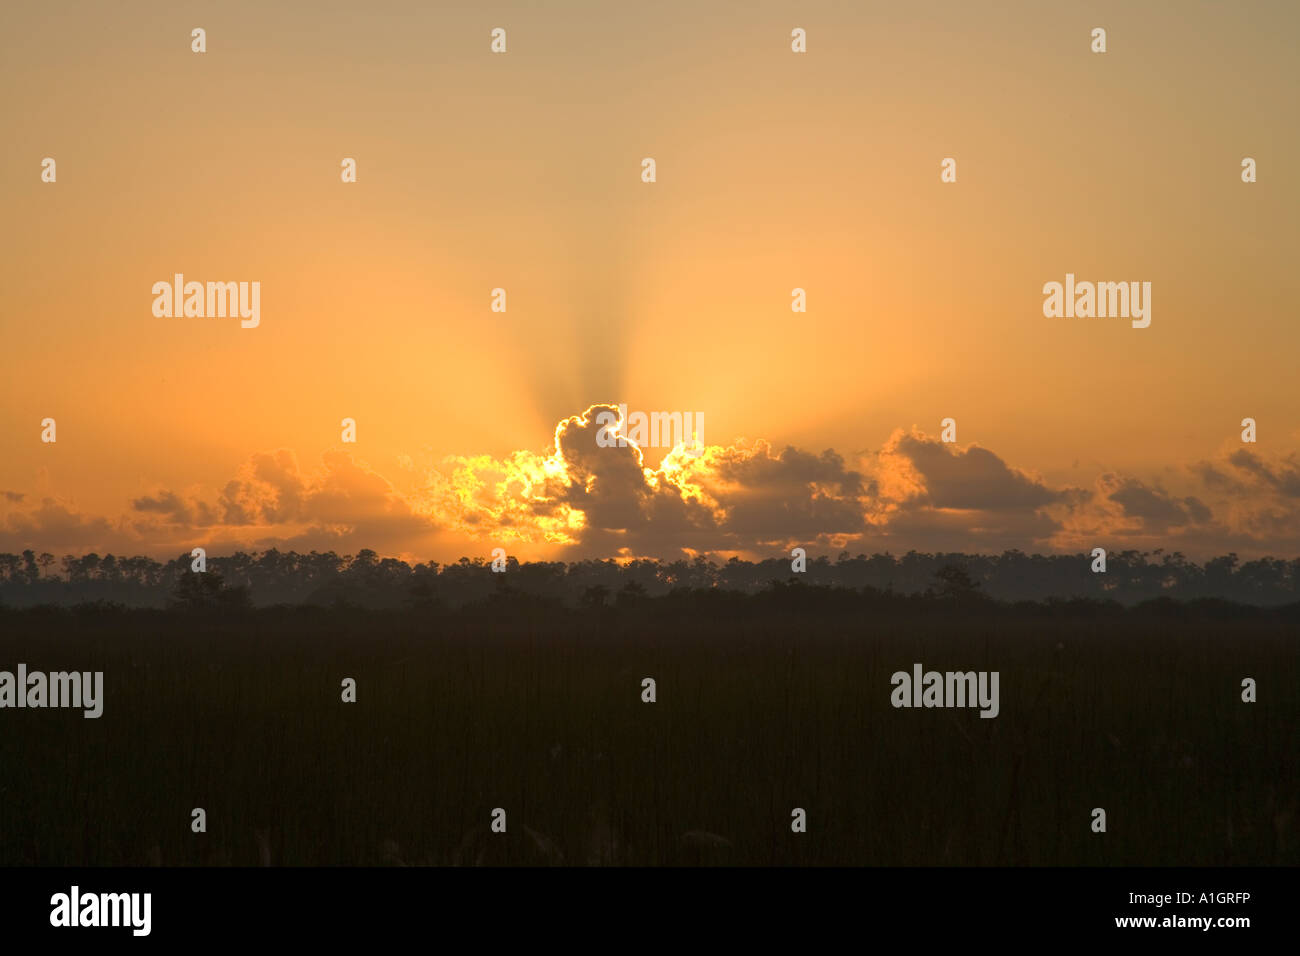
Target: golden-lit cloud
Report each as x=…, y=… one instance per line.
x=606, y=501
x=575, y=498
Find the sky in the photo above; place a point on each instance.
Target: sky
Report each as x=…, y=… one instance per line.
x=774, y=170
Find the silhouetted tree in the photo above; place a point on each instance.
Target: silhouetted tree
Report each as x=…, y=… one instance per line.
x=366, y=580
x=207, y=591
x=631, y=593
x=955, y=583
x=595, y=596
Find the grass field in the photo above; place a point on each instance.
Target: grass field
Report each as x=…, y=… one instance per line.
x=761, y=708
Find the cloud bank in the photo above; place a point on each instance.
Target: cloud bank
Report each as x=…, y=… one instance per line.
x=576, y=499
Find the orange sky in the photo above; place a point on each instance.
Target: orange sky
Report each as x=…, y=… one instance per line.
x=775, y=170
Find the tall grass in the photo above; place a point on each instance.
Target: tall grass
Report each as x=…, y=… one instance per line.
x=539, y=711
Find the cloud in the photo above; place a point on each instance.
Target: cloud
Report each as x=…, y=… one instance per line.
x=1240, y=500
x=1255, y=497
x=973, y=479
x=1282, y=477
x=1155, y=508
x=171, y=506
x=53, y=524
x=935, y=495
x=578, y=499
x=273, y=501
x=747, y=498
x=604, y=500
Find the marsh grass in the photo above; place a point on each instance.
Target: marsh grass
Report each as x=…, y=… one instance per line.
x=538, y=710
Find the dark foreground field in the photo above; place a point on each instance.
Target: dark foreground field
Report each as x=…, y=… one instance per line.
x=764, y=705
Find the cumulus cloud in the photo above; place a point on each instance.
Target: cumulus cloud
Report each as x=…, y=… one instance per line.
x=53, y=524
x=934, y=495
x=604, y=500
x=272, y=498
x=1255, y=497
x=1282, y=476
x=747, y=497
x=173, y=508
x=1155, y=508
x=970, y=479
x=575, y=498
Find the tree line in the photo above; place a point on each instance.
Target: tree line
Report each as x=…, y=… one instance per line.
x=274, y=577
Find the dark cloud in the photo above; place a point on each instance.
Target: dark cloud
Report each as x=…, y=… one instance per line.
x=167, y=504
x=728, y=499
x=1283, y=477
x=973, y=479
x=1215, y=479
x=792, y=494
x=1156, y=508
